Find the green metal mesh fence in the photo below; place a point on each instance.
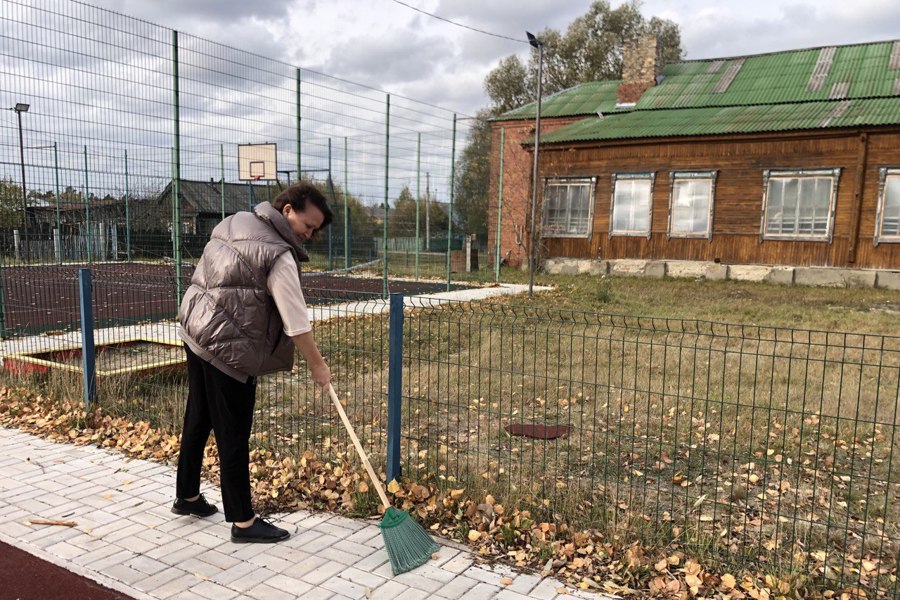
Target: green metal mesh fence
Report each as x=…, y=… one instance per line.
x=132, y=127
x=748, y=445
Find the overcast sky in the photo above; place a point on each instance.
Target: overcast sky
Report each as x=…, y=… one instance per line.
x=388, y=46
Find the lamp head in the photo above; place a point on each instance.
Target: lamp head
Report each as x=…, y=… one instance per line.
x=21, y=107
x=535, y=43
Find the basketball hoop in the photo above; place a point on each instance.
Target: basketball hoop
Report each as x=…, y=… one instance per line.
x=257, y=162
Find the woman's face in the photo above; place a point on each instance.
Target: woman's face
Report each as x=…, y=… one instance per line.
x=304, y=223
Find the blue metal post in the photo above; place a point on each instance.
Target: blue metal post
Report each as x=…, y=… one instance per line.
x=395, y=386
x=88, y=362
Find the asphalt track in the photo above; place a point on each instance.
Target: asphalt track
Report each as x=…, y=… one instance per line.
x=43, y=298
x=26, y=577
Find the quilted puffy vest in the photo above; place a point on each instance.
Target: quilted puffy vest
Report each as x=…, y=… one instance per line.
x=227, y=316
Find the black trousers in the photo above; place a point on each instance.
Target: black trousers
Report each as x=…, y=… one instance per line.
x=224, y=405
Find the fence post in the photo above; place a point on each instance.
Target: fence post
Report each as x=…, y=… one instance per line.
x=395, y=385
x=299, y=130
x=87, y=337
x=499, y=208
x=87, y=212
x=387, y=171
x=452, y=194
x=331, y=200
x=418, y=194
x=176, y=167
x=222, y=179
x=346, y=212
x=127, y=216
x=2, y=305
x=56, y=178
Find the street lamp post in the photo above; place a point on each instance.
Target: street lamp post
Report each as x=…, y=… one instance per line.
x=21, y=107
x=535, y=43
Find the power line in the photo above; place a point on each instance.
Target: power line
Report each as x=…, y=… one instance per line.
x=496, y=35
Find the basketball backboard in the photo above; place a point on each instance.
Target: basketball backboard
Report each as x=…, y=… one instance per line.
x=257, y=162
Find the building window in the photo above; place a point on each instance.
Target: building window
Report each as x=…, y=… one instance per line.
x=887, y=219
x=691, y=204
x=632, y=199
x=799, y=205
x=568, y=207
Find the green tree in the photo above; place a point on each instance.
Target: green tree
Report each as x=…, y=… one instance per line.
x=507, y=85
x=361, y=223
x=402, y=216
x=10, y=203
x=472, y=177
x=590, y=50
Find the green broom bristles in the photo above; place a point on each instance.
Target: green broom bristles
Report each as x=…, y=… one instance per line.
x=408, y=544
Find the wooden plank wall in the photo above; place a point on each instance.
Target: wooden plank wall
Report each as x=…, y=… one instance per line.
x=740, y=162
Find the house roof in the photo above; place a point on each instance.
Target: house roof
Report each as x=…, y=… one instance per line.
x=206, y=196
x=834, y=86
x=584, y=99
x=715, y=120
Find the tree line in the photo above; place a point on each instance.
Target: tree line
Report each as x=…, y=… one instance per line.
x=589, y=50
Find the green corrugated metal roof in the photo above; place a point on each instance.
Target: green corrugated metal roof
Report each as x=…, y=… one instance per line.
x=779, y=77
x=584, y=99
x=741, y=94
x=733, y=119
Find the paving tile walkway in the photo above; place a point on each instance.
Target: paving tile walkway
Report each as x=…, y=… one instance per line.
x=127, y=539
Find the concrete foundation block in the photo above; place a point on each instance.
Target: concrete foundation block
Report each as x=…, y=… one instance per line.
x=860, y=278
x=755, y=273
x=593, y=267
x=781, y=276
x=689, y=269
x=716, y=272
x=888, y=280
x=655, y=268
x=575, y=266
x=626, y=266
x=828, y=277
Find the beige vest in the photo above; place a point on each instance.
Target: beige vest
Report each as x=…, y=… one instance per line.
x=227, y=316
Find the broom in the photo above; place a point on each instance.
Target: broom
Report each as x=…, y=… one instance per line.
x=407, y=544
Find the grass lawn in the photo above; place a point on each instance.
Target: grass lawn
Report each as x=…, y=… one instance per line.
x=825, y=309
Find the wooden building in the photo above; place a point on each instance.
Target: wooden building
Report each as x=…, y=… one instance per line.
x=790, y=158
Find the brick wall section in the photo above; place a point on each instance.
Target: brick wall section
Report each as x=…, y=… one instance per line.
x=639, y=68
x=518, y=161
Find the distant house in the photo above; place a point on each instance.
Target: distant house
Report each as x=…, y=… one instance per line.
x=787, y=158
x=203, y=205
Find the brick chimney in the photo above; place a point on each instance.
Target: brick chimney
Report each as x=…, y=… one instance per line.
x=639, y=64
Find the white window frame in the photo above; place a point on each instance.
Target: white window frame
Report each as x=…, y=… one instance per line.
x=879, y=238
x=546, y=231
x=770, y=174
x=675, y=176
x=612, y=204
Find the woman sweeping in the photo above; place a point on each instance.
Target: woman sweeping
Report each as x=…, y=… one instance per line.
x=243, y=316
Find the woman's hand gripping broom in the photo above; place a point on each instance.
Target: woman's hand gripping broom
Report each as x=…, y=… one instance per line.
x=408, y=544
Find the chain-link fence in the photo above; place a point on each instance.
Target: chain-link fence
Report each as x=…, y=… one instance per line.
x=130, y=134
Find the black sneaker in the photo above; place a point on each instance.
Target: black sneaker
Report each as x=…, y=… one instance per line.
x=199, y=507
x=261, y=532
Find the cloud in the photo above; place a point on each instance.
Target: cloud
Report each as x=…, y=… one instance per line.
x=194, y=11
x=377, y=60
x=733, y=29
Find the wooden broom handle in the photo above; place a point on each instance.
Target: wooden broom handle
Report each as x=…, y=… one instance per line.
x=359, y=448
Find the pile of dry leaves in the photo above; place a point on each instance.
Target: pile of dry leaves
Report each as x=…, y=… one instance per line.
x=496, y=532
